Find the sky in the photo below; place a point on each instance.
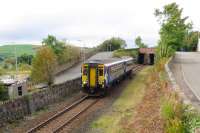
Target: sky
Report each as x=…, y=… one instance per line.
x=86, y=22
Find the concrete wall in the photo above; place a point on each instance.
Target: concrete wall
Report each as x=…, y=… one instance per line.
x=20, y=107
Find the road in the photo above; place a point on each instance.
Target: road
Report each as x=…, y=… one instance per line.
x=187, y=64
x=75, y=71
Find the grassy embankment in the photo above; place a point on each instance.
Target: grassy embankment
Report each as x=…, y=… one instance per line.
x=8, y=51
x=148, y=104
x=125, y=52
x=123, y=110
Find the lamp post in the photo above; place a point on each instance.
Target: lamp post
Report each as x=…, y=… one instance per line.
x=82, y=49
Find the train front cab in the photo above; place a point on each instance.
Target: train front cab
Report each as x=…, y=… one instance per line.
x=93, y=78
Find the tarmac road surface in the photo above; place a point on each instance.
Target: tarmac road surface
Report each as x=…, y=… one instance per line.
x=75, y=71
x=190, y=68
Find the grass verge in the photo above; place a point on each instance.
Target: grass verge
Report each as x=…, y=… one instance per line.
x=123, y=108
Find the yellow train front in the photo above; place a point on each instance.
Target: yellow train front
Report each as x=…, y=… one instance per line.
x=98, y=76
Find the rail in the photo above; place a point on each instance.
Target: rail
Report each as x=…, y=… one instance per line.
x=39, y=126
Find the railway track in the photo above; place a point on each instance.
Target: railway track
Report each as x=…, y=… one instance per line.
x=63, y=118
x=137, y=68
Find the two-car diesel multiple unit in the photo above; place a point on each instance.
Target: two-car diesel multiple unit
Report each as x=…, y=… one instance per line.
x=98, y=76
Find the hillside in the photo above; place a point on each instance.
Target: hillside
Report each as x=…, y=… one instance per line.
x=9, y=50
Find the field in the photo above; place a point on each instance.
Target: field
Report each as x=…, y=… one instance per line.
x=9, y=50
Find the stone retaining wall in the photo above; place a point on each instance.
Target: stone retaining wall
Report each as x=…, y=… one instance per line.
x=20, y=107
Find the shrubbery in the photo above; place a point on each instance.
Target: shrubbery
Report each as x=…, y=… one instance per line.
x=3, y=92
x=43, y=66
x=64, y=52
x=178, y=117
x=112, y=44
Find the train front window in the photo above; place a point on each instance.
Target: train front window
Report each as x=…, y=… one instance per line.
x=85, y=71
x=100, y=72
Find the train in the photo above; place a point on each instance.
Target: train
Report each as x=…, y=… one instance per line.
x=97, y=76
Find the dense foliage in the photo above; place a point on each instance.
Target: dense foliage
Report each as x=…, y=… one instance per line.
x=3, y=92
x=56, y=45
x=112, y=44
x=43, y=66
x=191, y=41
x=174, y=29
x=139, y=43
x=64, y=52
x=25, y=59
x=1, y=71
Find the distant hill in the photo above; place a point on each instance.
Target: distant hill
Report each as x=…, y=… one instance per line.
x=9, y=50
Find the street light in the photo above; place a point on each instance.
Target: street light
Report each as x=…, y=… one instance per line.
x=82, y=49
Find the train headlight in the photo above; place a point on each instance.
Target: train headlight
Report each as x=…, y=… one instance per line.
x=84, y=82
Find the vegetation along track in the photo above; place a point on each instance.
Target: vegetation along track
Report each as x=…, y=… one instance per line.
x=61, y=119
x=58, y=121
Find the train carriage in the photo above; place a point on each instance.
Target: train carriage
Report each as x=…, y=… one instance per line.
x=98, y=76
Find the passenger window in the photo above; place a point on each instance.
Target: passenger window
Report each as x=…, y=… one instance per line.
x=100, y=72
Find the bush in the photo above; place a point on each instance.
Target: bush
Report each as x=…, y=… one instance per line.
x=24, y=67
x=175, y=126
x=112, y=44
x=2, y=71
x=179, y=118
x=191, y=119
x=43, y=66
x=3, y=92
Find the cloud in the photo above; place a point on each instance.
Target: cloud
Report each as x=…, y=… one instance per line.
x=91, y=21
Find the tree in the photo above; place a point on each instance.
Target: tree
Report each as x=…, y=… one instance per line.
x=3, y=92
x=43, y=66
x=191, y=41
x=139, y=43
x=25, y=58
x=1, y=71
x=173, y=26
x=112, y=44
x=56, y=45
x=69, y=53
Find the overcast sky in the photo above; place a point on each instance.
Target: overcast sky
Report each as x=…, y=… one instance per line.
x=89, y=21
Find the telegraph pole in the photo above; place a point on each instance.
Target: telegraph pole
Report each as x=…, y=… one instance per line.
x=16, y=67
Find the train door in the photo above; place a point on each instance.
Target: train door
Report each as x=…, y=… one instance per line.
x=101, y=75
x=84, y=71
x=92, y=77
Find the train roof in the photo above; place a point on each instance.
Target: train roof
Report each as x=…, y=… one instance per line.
x=109, y=62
